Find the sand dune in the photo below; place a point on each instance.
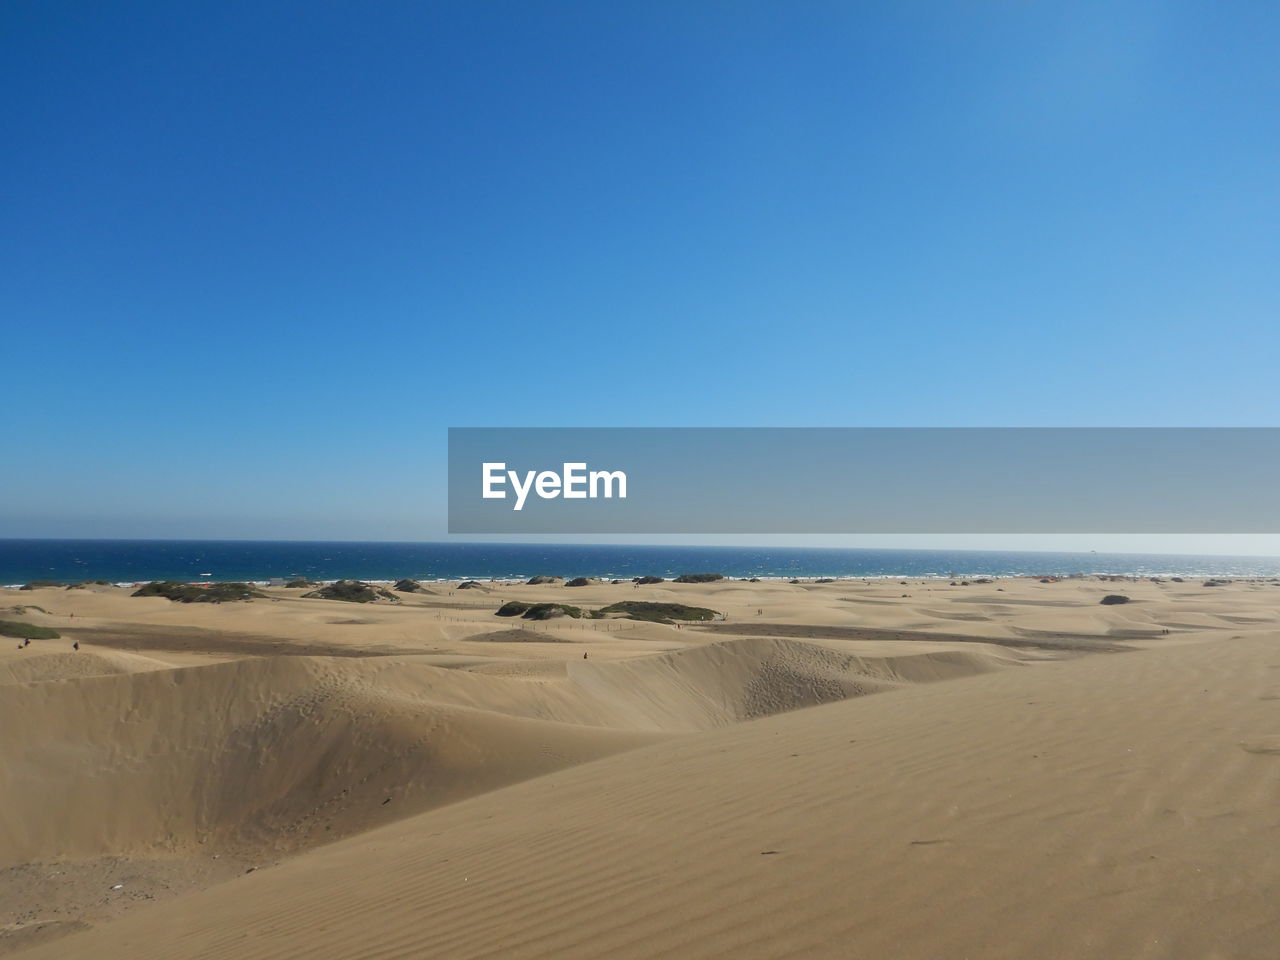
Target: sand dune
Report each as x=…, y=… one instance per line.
x=453, y=786
x=744, y=679
x=283, y=753
x=47, y=667
x=279, y=753
x=958, y=820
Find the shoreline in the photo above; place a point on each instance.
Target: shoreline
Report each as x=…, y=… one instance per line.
x=967, y=579
x=131, y=561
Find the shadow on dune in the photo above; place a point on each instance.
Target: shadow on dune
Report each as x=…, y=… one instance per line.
x=1029, y=639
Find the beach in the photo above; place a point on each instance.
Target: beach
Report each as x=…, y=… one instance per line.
x=853, y=768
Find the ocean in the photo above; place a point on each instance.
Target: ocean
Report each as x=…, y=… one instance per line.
x=130, y=561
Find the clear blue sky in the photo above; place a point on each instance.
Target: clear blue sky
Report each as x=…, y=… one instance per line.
x=258, y=256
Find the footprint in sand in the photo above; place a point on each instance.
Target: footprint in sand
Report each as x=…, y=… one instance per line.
x=1265, y=745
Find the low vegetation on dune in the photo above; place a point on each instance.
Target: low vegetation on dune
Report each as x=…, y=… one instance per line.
x=538, y=611
x=299, y=583
x=26, y=631
x=37, y=584
x=656, y=612
x=21, y=608
x=535, y=581
x=352, y=591
x=407, y=586
x=643, y=581
x=198, y=593
x=88, y=583
x=627, y=609
x=1113, y=598
x=579, y=582
x=699, y=577
x=471, y=585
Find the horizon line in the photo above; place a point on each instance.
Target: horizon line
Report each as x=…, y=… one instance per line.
x=648, y=546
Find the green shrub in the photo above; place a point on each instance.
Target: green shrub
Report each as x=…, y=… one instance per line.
x=407, y=586
x=657, y=612
x=535, y=581
x=180, y=592
x=538, y=611
x=88, y=583
x=578, y=582
x=647, y=580
x=352, y=591
x=699, y=577
x=26, y=631
x=37, y=584
x=299, y=583
x=546, y=611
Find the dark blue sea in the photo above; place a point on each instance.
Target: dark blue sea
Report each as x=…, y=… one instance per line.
x=130, y=561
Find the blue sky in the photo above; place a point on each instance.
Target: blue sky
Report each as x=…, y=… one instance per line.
x=258, y=256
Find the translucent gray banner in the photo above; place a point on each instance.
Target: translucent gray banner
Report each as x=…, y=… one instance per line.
x=524, y=480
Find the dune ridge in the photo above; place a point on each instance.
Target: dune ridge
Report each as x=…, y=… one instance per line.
x=52, y=667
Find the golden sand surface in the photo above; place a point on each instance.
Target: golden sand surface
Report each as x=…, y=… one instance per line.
x=850, y=769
